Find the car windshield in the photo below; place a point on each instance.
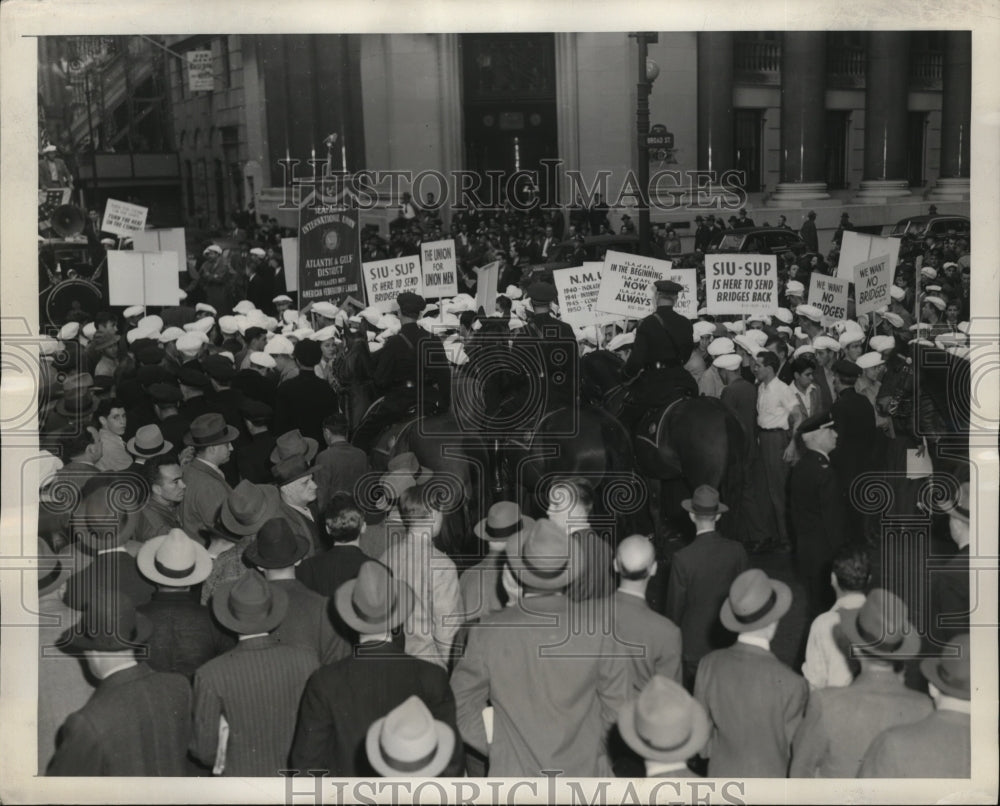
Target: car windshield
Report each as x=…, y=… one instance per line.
x=909, y=227
x=726, y=242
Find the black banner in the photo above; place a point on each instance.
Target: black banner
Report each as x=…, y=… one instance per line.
x=329, y=255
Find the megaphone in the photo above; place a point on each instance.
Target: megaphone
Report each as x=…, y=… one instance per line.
x=68, y=220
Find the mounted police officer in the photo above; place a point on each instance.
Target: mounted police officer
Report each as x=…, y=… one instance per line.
x=545, y=353
x=663, y=344
x=411, y=370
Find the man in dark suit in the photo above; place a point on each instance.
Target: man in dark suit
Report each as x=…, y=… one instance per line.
x=939, y=746
x=276, y=552
x=253, y=450
x=259, y=379
x=700, y=576
x=950, y=595
x=809, y=234
x=184, y=636
x=411, y=369
x=326, y=572
x=205, y=484
x=755, y=702
x=702, y=234
x=817, y=511
x=858, y=438
x=663, y=344
x=342, y=700
x=841, y=722
x=223, y=398
x=166, y=398
x=137, y=722
x=341, y=465
x=101, y=532
x=304, y=401
x=254, y=689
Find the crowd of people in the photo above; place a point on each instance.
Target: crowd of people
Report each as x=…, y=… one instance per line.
x=233, y=600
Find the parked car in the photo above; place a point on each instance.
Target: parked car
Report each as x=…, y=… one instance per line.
x=920, y=226
x=757, y=240
x=594, y=248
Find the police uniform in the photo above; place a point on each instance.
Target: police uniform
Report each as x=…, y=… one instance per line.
x=408, y=372
x=663, y=345
x=546, y=348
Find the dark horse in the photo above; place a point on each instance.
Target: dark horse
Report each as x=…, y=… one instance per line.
x=693, y=441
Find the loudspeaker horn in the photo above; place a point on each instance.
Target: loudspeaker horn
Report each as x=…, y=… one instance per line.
x=68, y=220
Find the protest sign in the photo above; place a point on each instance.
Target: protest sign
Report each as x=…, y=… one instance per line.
x=329, y=254
x=871, y=284
x=626, y=289
x=829, y=294
x=387, y=279
x=741, y=284
x=486, y=287
x=290, y=262
x=439, y=268
x=577, y=288
x=201, y=75
x=687, y=300
x=163, y=240
x=122, y=218
x=143, y=278
x=857, y=247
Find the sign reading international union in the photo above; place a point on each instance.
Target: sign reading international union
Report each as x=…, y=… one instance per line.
x=329, y=254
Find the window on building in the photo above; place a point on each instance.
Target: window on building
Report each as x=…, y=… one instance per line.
x=915, y=147
x=748, y=126
x=837, y=128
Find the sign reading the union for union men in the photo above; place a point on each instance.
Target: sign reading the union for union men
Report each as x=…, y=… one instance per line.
x=741, y=284
x=329, y=254
x=627, y=284
x=439, y=268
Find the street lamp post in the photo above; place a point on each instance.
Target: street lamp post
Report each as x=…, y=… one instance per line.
x=647, y=74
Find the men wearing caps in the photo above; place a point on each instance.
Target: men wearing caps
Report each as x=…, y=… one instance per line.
x=817, y=510
x=740, y=397
x=410, y=359
x=552, y=707
x=939, y=746
x=665, y=726
x=710, y=384
x=166, y=399
x=258, y=380
x=184, y=636
x=304, y=401
x=755, y=702
x=841, y=722
x=276, y=552
x=700, y=576
x=161, y=512
x=260, y=286
x=206, y=484
x=663, y=344
x=343, y=699
x=254, y=689
x=137, y=723
x=795, y=292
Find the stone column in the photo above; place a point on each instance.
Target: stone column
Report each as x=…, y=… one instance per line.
x=803, y=119
x=715, y=102
x=887, y=86
x=956, y=110
x=567, y=111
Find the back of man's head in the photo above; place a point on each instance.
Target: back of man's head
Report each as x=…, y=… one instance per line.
x=852, y=569
x=635, y=558
x=344, y=519
x=415, y=508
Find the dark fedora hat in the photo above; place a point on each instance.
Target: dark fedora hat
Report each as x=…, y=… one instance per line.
x=664, y=723
x=503, y=519
x=53, y=569
x=374, y=601
x=210, y=429
x=276, y=546
x=292, y=443
x=95, y=523
x=408, y=463
x=951, y=672
x=755, y=600
x=290, y=470
x=543, y=556
x=110, y=623
x=881, y=626
x=248, y=507
x=147, y=442
x=249, y=604
x=704, y=501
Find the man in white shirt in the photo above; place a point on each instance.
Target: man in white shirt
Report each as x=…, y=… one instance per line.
x=778, y=417
x=115, y=456
x=826, y=664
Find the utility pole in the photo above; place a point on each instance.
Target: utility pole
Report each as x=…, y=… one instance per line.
x=643, y=38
